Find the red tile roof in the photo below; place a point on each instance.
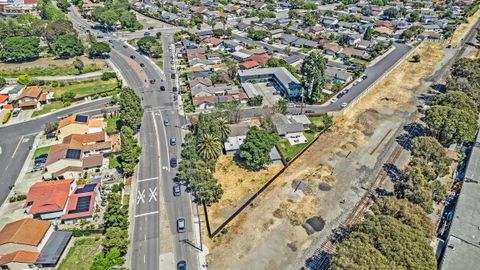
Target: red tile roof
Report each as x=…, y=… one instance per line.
x=26, y=231
x=92, y=161
x=72, y=204
x=3, y=98
x=249, y=64
x=31, y=91
x=261, y=59
x=19, y=256
x=8, y=107
x=48, y=196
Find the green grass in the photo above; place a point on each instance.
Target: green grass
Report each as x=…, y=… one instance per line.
x=359, y=61
x=82, y=89
x=47, y=71
x=56, y=105
x=41, y=151
x=114, y=162
x=316, y=120
x=289, y=151
x=81, y=255
x=113, y=125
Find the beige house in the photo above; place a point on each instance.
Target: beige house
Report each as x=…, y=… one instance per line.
x=79, y=124
x=32, y=97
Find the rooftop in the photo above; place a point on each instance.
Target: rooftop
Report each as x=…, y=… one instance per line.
x=48, y=196
x=26, y=231
x=19, y=256
x=53, y=249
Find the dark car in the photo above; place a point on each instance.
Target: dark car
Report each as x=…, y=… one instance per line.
x=173, y=141
x=166, y=122
x=172, y=76
x=152, y=81
x=181, y=225
x=182, y=265
x=142, y=64
x=309, y=111
x=132, y=56
x=173, y=162
x=176, y=189
x=174, y=89
x=124, y=46
x=150, y=28
x=162, y=88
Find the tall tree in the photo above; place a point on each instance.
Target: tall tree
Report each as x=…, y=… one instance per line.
x=131, y=110
x=17, y=49
x=368, y=33
x=256, y=147
x=209, y=147
x=459, y=100
x=63, y=5
x=56, y=29
x=313, y=71
x=450, y=125
x=67, y=46
x=223, y=128
x=130, y=150
x=146, y=43
x=115, y=237
x=99, y=49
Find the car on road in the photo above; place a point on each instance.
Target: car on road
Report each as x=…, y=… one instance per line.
x=172, y=76
x=147, y=34
x=333, y=100
x=132, y=56
x=174, y=89
x=150, y=28
x=176, y=189
x=99, y=36
x=344, y=104
x=124, y=46
x=166, y=122
x=162, y=88
x=142, y=64
x=181, y=225
x=173, y=162
x=309, y=111
x=182, y=265
x=364, y=77
x=152, y=81
x=173, y=141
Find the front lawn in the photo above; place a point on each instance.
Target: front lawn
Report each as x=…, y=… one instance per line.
x=41, y=151
x=56, y=105
x=82, y=89
x=114, y=162
x=113, y=125
x=359, y=61
x=81, y=255
x=289, y=151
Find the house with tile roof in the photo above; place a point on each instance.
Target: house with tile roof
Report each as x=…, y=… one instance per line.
x=32, y=97
x=47, y=199
x=82, y=203
x=76, y=153
x=79, y=124
x=31, y=243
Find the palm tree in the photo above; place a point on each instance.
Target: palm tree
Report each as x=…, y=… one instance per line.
x=209, y=147
x=223, y=128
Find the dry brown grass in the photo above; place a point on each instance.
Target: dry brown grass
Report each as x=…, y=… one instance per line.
x=238, y=184
x=463, y=28
x=44, y=62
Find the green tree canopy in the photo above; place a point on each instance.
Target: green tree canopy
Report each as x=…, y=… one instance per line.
x=108, y=260
x=67, y=46
x=209, y=147
x=450, y=125
x=313, y=71
x=17, y=49
x=130, y=150
x=63, y=5
x=131, y=110
x=459, y=100
x=116, y=214
x=256, y=147
x=56, y=29
x=115, y=237
x=98, y=49
x=145, y=44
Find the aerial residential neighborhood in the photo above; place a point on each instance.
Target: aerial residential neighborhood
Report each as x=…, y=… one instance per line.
x=239, y=134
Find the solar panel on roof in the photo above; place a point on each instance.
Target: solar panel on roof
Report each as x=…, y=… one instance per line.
x=81, y=118
x=73, y=153
x=86, y=188
x=83, y=204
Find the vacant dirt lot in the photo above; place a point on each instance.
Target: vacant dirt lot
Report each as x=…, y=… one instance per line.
x=334, y=172
x=464, y=27
x=45, y=62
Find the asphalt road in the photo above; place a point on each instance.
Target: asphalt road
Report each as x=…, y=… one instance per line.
x=375, y=72
x=154, y=177
x=16, y=140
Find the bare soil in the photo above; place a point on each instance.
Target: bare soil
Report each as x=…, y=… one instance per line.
x=43, y=62
x=463, y=28
x=336, y=170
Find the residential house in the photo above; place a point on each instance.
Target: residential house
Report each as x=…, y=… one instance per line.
x=47, y=199
x=208, y=102
x=260, y=58
x=356, y=53
x=3, y=101
x=238, y=133
x=337, y=75
x=283, y=80
x=32, y=97
x=276, y=33
x=384, y=31
x=82, y=203
x=213, y=43
x=285, y=127
x=30, y=243
x=351, y=39
x=240, y=56
x=78, y=152
x=79, y=124
x=287, y=39
x=248, y=64
x=332, y=49
x=232, y=45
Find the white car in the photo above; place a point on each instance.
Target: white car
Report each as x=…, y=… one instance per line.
x=333, y=100
x=344, y=104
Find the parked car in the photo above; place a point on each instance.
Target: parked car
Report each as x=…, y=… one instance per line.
x=182, y=265
x=181, y=225
x=125, y=46
x=173, y=141
x=173, y=162
x=142, y=64
x=176, y=189
x=147, y=34
x=333, y=100
x=344, y=104
x=309, y=111
x=152, y=81
x=166, y=122
x=172, y=76
x=15, y=112
x=132, y=56
x=162, y=88
x=150, y=28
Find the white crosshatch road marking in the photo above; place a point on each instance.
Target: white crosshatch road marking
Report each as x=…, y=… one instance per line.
x=153, y=194
x=141, y=196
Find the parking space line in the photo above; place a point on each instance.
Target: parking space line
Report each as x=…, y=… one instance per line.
x=147, y=214
x=147, y=179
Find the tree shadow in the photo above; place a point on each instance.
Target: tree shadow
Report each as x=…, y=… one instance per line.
x=392, y=171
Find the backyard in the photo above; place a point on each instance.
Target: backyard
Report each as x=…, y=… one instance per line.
x=289, y=151
x=80, y=256
x=82, y=89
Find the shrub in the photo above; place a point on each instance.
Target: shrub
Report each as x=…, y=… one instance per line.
x=67, y=96
x=108, y=75
x=54, y=83
x=6, y=117
x=24, y=79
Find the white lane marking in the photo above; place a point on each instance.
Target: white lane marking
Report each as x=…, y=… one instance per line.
x=147, y=179
x=158, y=139
x=165, y=168
x=0, y=150
x=147, y=214
x=18, y=145
x=144, y=259
x=141, y=196
x=153, y=194
x=145, y=237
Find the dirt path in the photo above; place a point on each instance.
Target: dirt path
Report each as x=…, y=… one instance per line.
x=336, y=170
